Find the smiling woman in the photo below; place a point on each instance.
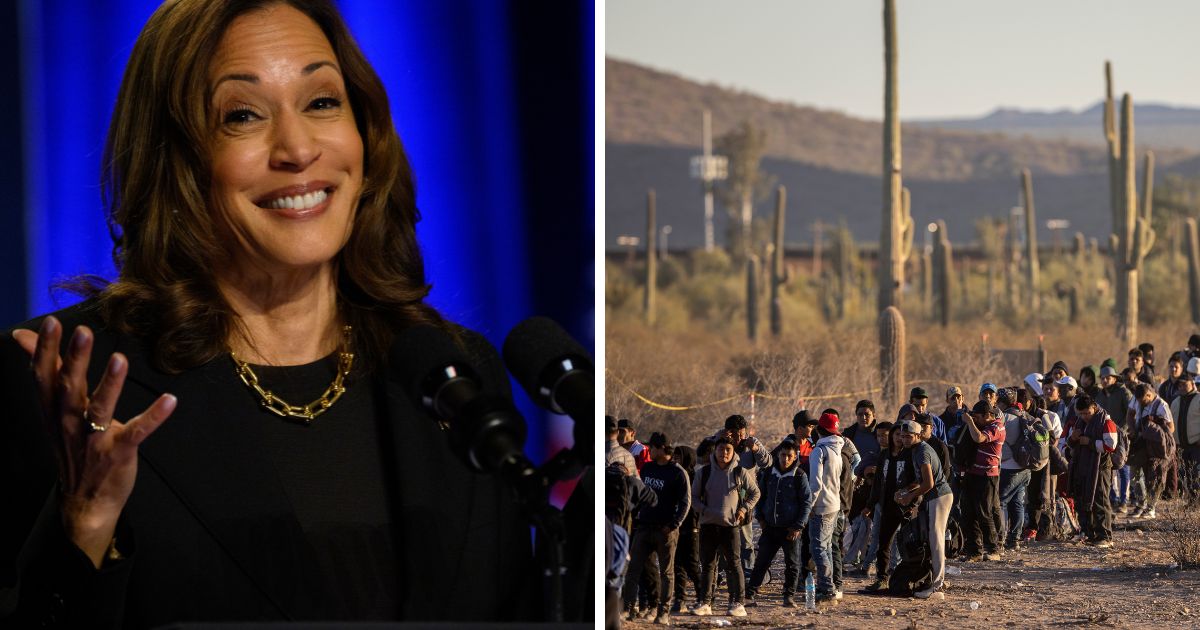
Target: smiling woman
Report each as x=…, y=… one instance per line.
x=263, y=214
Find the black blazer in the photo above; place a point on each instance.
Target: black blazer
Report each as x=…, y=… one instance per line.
x=209, y=533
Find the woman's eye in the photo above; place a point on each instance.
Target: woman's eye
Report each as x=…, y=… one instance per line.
x=326, y=102
x=239, y=117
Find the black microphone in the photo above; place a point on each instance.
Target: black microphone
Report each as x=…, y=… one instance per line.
x=556, y=372
x=486, y=430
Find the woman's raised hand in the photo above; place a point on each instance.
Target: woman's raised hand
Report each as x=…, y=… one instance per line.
x=97, y=454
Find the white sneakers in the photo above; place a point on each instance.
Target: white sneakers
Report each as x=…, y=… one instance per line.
x=737, y=611
x=837, y=594
x=930, y=594
x=704, y=610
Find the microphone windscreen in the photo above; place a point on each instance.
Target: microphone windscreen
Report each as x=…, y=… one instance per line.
x=421, y=351
x=536, y=343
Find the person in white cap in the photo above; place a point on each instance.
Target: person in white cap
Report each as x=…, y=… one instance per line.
x=1067, y=388
x=1033, y=384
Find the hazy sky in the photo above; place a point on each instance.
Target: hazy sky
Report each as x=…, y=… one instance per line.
x=958, y=58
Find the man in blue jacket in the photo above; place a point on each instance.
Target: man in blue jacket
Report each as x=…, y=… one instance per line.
x=782, y=511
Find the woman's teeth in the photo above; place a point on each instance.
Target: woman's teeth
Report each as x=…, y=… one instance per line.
x=298, y=202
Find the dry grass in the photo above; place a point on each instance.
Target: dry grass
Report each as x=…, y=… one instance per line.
x=1183, y=533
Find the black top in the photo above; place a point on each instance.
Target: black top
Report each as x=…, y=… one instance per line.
x=216, y=529
x=670, y=483
x=350, y=533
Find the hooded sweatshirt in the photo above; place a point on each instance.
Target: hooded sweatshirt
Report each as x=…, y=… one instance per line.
x=825, y=473
x=727, y=490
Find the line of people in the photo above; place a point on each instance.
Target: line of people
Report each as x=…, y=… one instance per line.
x=1053, y=458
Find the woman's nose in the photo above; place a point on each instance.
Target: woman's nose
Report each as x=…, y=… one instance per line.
x=294, y=146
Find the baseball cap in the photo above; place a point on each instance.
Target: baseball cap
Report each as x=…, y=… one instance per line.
x=829, y=422
x=909, y=426
x=1107, y=371
x=905, y=410
x=626, y=423
x=986, y=386
x=803, y=418
x=982, y=407
x=1034, y=381
x=917, y=392
x=954, y=391
x=659, y=440
x=924, y=418
x=1067, y=381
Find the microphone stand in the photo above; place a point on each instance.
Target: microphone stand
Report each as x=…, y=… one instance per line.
x=533, y=493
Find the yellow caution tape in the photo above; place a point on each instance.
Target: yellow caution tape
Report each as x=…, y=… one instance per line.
x=659, y=405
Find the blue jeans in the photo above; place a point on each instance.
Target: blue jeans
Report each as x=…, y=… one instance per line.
x=1120, y=496
x=820, y=538
x=1013, y=484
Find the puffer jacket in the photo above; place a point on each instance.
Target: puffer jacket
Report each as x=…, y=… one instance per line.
x=785, y=498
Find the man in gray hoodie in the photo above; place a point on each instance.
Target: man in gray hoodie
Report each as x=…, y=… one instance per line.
x=753, y=456
x=824, y=478
x=724, y=495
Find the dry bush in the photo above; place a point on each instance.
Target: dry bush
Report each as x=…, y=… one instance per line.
x=1183, y=533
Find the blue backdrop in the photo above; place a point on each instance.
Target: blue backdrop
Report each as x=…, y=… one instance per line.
x=493, y=100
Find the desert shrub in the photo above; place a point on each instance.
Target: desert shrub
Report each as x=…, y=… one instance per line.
x=1159, y=297
x=715, y=262
x=619, y=286
x=670, y=272
x=1183, y=533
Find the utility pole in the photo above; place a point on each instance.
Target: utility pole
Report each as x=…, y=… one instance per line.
x=708, y=168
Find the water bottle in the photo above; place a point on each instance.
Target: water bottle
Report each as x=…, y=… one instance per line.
x=810, y=593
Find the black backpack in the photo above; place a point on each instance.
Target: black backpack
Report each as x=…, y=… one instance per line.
x=1032, y=448
x=617, y=497
x=915, y=571
x=964, y=449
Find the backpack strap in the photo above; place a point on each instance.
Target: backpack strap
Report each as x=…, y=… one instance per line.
x=705, y=473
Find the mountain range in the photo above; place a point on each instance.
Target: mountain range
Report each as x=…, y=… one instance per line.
x=830, y=162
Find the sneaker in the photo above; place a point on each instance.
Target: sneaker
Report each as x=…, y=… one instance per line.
x=1149, y=514
x=788, y=602
x=663, y=618
x=737, y=611
x=825, y=598
x=749, y=602
x=930, y=594
x=1103, y=544
x=875, y=587
x=837, y=594
x=974, y=557
x=703, y=610
x=1136, y=513
x=648, y=613
x=993, y=556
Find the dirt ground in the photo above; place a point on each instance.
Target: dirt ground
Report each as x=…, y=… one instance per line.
x=1049, y=584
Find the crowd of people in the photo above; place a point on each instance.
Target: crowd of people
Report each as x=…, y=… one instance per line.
x=1052, y=458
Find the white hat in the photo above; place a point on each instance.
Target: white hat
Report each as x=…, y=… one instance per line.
x=1034, y=381
x=1193, y=366
x=1067, y=380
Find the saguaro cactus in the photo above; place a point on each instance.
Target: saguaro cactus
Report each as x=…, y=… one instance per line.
x=844, y=256
x=1136, y=237
x=1031, y=251
x=1116, y=196
x=651, y=258
x=778, y=273
x=891, y=355
x=895, y=242
x=752, y=297
x=1079, y=249
x=943, y=269
x=1193, y=263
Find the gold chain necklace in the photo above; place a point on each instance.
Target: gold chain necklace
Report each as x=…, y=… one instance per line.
x=305, y=413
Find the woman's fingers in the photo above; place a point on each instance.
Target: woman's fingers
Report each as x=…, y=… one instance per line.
x=73, y=381
x=147, y=422
x=46, y=363
x=104, y=399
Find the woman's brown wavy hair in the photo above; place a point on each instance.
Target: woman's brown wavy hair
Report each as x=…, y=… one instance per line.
x=156, y=173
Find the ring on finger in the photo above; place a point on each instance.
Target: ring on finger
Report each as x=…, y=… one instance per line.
x=92, y=427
